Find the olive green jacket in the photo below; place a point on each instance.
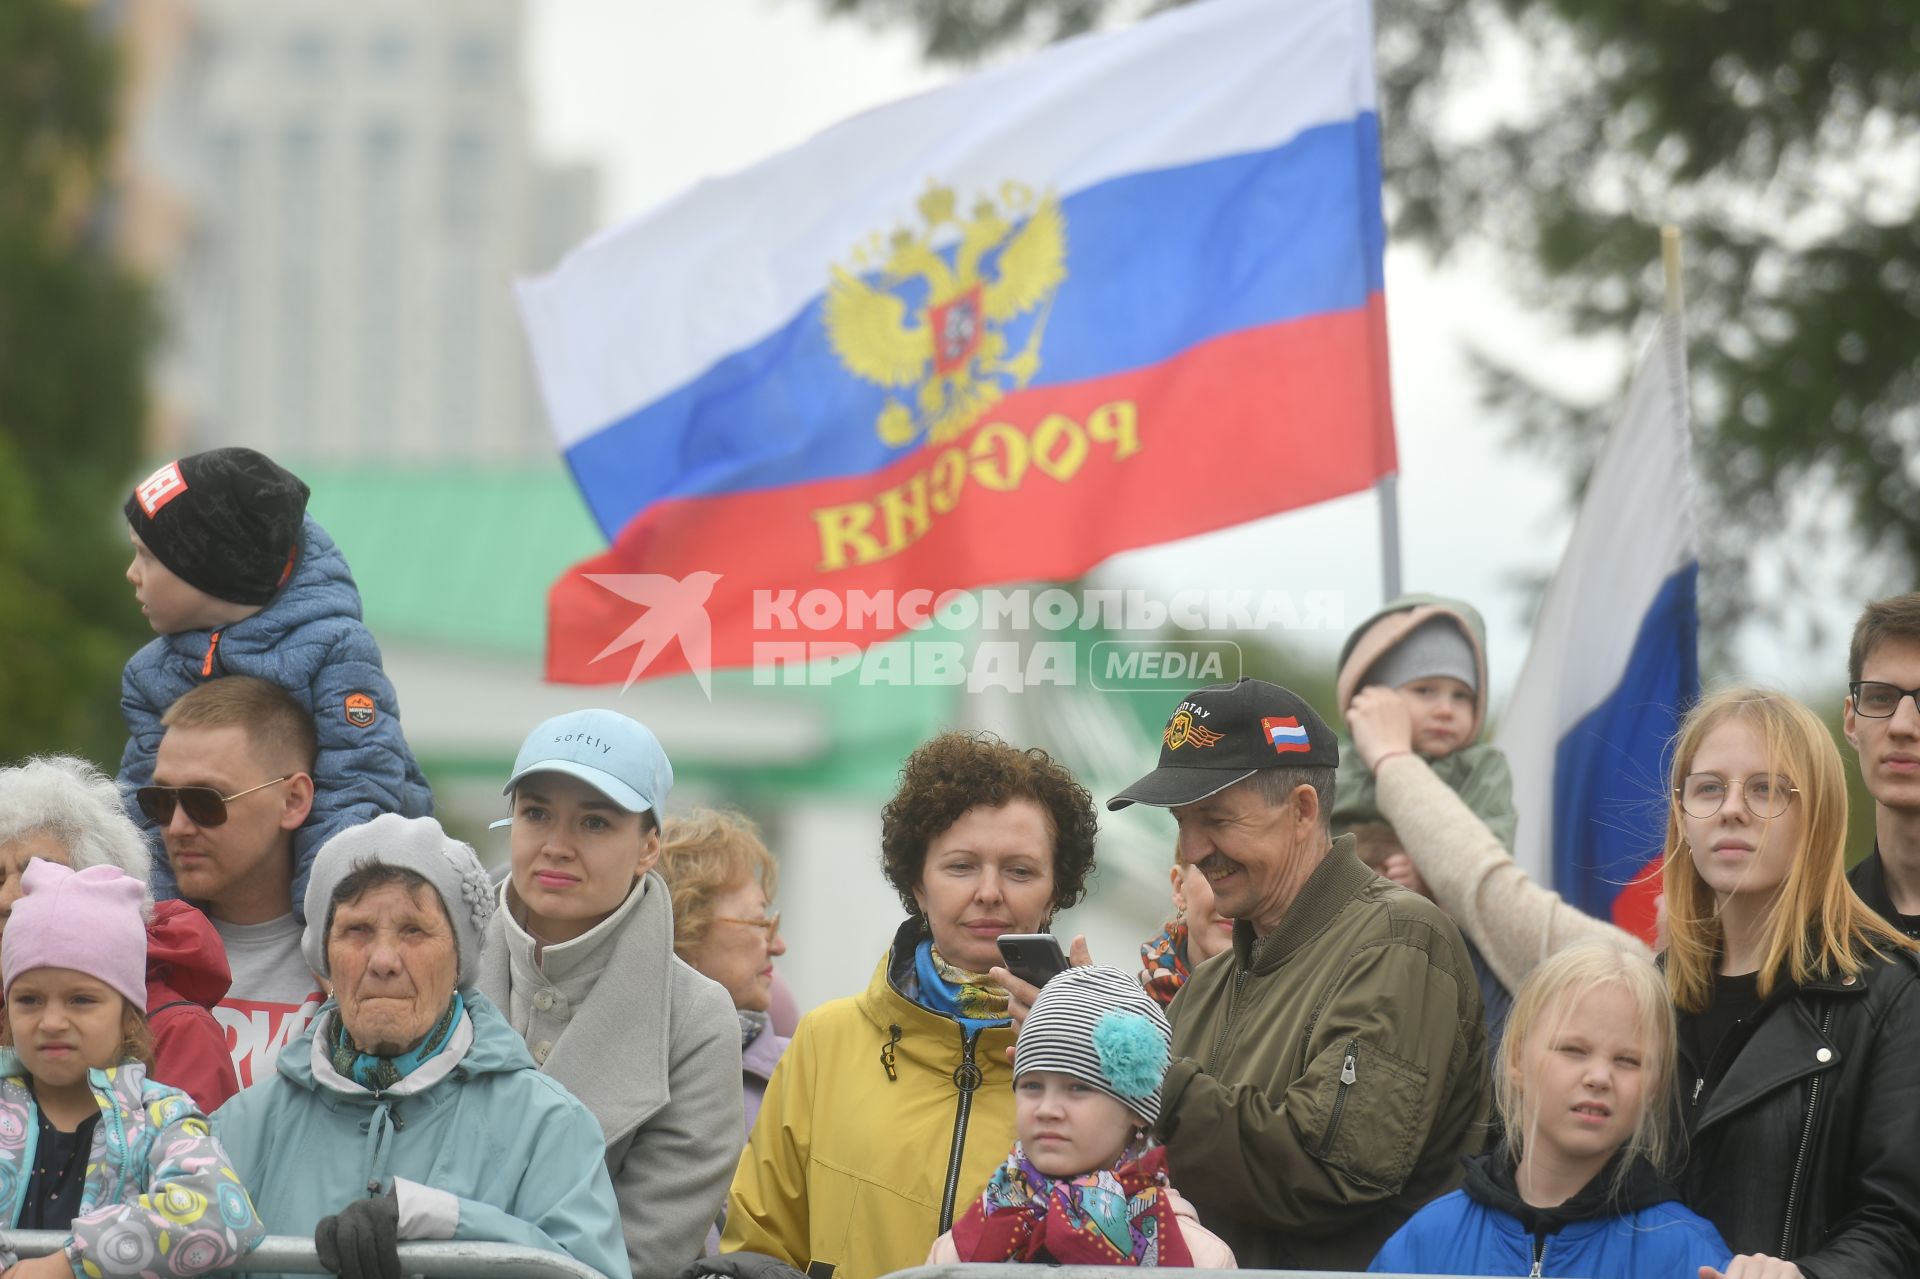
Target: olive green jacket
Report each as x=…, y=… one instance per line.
x=1328, y=1076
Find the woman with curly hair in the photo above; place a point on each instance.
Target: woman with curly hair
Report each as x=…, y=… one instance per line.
x=892, y=1107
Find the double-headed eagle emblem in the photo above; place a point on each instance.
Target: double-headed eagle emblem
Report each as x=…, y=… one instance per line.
x=929, y=317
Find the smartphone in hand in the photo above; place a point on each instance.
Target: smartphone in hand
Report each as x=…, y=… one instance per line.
x=1032, y=957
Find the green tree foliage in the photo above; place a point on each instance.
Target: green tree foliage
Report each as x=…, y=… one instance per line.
x=74, y=329
x=1552, y=135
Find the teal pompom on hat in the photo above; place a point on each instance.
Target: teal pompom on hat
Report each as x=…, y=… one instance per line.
x=1133, y=1053
x=1100, y=1027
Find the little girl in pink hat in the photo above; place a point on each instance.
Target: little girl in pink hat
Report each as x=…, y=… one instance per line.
x=89, y=1144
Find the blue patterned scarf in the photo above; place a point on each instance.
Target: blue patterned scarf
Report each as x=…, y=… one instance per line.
x=377, y=1074
x=968, y=998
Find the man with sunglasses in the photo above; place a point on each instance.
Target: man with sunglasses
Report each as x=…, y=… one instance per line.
x=232, y=782
x=1882, y=721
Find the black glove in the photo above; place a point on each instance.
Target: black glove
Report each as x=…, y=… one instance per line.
x=362, y=1240
x=741, y=1265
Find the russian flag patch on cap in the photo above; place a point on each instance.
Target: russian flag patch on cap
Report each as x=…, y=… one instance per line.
x=1285, y=733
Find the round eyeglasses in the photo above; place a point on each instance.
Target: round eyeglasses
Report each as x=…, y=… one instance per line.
x=1766, y=794
x=771, y=923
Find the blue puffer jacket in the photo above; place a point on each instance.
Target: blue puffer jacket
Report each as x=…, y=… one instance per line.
x=489, y=1148
x=1641, y=1231
x=310, y=641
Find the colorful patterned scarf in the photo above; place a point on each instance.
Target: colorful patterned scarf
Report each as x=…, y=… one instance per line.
x=970, y=997
x=1117, y=1216
x=752, y=1023
x=377, y=1074
x=1165, y=961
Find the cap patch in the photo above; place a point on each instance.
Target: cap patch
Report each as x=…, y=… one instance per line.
x=1182, y=731
x=1240, y=729
x=160, y=488
x=361, y=710
x=1285, y=733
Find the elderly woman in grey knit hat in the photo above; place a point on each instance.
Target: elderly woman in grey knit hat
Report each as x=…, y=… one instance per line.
x=409, y=1108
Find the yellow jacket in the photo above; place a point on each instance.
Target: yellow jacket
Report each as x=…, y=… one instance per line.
x=869, y=1139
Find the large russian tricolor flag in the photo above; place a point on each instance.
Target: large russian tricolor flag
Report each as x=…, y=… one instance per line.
x=1614, y=661
x=1122, y=292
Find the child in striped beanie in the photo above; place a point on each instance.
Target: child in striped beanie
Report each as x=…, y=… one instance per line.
x=1084, y=1185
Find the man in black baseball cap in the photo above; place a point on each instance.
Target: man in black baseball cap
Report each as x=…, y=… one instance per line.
x=1337, y=1050
x=1225, y=733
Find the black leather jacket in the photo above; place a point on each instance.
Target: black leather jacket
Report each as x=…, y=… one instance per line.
x=1808, y=1147
x=1869, y=880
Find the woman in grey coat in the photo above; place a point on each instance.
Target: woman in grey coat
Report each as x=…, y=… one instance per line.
x=581, y=960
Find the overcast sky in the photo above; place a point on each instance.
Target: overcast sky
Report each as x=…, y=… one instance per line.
x=663, y=93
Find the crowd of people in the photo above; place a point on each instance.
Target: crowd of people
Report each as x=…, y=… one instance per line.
x=252, y=987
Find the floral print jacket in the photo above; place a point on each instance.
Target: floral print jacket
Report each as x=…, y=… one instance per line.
x=161, y=1199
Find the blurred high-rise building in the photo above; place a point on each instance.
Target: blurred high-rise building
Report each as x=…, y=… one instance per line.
x=353, y=190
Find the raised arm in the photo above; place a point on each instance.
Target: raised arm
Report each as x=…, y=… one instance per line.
x=1515, y=921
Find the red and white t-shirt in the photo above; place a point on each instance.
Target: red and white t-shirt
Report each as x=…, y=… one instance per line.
x=273, y=997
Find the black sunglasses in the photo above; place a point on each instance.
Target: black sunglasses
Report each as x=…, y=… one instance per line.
x=204, y=805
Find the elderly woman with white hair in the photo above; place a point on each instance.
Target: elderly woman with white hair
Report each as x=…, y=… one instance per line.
x=61, y=809
x=409, y=1108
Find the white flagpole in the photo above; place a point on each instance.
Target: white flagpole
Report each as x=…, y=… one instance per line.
x=1388, y=489
x=1670, y=259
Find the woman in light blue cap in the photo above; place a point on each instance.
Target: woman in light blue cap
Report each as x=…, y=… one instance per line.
x=580, y=957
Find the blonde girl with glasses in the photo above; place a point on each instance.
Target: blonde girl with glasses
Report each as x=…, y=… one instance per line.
x=1798, y=1074
x=1578, y=1186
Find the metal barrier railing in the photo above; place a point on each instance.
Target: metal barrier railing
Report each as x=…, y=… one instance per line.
x=295, y=1255
x=999, y=1270
x=460, y=1259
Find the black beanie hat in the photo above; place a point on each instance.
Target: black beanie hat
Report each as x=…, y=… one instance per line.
x=226, y=521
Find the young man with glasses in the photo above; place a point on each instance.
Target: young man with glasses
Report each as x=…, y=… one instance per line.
x=1882, y=721
x=232, y=782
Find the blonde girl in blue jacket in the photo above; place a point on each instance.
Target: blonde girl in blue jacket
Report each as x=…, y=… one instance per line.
x=1582, y=1081
x=88, y=1144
